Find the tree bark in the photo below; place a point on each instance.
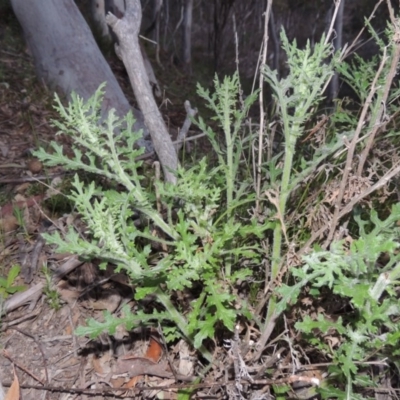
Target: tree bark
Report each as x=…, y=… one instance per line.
x=66, y=55
x=187, y=35
x=98, y=16
x=128, y=49
x=100, y=8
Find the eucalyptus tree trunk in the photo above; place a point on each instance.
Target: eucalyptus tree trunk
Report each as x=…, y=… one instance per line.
x=66, y=55
x=100, y=8
x=187, y=35
x=222, y=11
x=155, y=25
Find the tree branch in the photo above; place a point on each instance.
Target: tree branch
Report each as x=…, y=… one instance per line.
x=127, y=31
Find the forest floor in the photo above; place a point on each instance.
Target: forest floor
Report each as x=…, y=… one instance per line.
x=46, y=295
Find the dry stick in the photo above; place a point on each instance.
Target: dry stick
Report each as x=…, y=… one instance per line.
x=350, y=153
x=74, y=340
x=127, y=31
x=109, y=391
x=19, y=299
x=39, y=345
x=68, y=266
x=386, y=90
x=330, y=31
x=116, y=392
x=33, y=266
x=333, y=21
x=22, y=368
x=353, y=45
x=190, y=114
x=261, y=100
x=383, y=181
x=25, y=317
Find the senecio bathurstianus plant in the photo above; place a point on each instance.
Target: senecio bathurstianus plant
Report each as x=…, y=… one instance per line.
x=205, y=244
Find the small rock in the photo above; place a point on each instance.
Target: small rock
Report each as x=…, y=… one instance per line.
x=8, y=223
x=35, y=166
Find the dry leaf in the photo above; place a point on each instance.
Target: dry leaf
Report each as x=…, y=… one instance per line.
x=136, y=366
x=154, y=351
x=35, y=166
x=117, y=382
x=132, y=382
x=169, y=394
x=13, y=392
x=185, y=363
x=307, y=301
x=102, y=364
x=23, y=187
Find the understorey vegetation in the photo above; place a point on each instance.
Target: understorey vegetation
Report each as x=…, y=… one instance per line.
x=285, y=240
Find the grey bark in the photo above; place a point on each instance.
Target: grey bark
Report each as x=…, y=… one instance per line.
x=187, y=35
x=100, y=8
x=128, y=49
x=98, y=15
x=157, y=5
x=66, y=55
x=275, y=40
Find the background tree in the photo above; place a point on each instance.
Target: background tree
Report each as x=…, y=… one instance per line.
x=65, y=54
x=187, y=35
x=67, y=57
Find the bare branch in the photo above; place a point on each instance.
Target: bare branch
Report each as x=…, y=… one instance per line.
x=127, y=31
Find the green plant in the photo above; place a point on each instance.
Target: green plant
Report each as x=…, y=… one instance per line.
x=52, y=296
x=297, y=95
x=209, y=244
x=371, y=331
x=298, y=98
x=298, y=173
x=7, y=283
x=207, y=250
x=19, y=215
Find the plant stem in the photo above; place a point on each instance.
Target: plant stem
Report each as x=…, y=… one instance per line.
x=179, y=320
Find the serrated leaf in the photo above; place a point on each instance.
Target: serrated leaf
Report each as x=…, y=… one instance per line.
x=205, y=330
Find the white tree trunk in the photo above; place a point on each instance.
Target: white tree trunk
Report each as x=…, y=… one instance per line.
x=187, y=35
x=98, y=15
x=66, y=55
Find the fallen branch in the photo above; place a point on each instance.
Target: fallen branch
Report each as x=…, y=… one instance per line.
x=128, y=49
x=19, y=299
x=190, y=113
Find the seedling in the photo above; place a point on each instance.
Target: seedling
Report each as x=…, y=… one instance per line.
x=7, y=284
x=19, y=215
x=53, y=297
